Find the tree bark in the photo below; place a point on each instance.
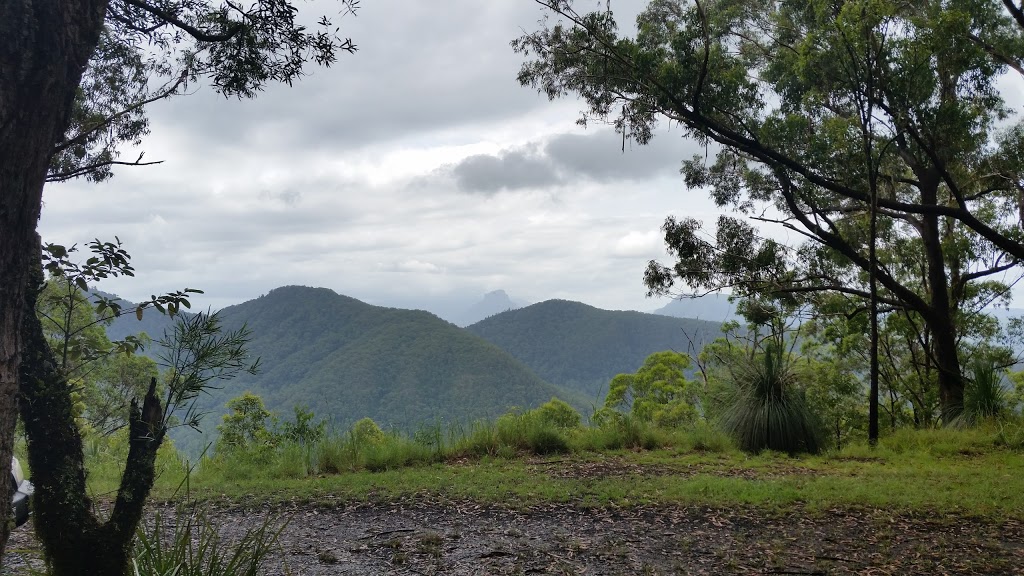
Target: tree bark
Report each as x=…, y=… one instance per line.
x=940, y=312
x=75, y=542
x=44, y=48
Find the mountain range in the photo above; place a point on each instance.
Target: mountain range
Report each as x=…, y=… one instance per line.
x=582, y=348
x=346, y=359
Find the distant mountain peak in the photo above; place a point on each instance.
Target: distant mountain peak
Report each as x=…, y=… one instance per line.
x=493, y=302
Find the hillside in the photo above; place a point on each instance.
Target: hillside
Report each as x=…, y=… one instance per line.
x=581, y=347
x=346, y=360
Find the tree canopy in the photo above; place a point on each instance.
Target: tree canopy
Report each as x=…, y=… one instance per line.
x=821, y=118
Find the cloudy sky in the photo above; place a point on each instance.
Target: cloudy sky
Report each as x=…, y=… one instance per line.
x=415, y=173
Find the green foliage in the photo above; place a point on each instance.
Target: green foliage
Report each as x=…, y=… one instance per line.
x=198, y=351
x=366, y=431
x=985, y=397
x=615, y=431
x=558, y=414
x=769, y=411
x=248, y=426
x=302, y=430
x=658, y=392
x=820, y=111
x=189, y=544
x=833, y=390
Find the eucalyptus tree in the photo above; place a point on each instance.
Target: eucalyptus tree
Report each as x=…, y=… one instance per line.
x=814, y=111
x=75, y=76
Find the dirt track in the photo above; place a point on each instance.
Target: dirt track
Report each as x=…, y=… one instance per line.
x=463, y=539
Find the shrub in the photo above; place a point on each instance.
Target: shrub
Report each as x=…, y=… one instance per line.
x=984, y=396
x=336, y=454
x=558, y=414
x=768, y=411
x=245, y=426
x=303, y=430
x=367, y=432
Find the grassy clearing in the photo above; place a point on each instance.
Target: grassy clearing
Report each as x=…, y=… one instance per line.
x=976, y=472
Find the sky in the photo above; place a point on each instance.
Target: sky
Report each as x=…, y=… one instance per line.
x=415, y=173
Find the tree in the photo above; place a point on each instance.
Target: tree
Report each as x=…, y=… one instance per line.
x=818, y=108
x=245, y=427
x=195, y=354
x=75, y=76
x=658, y=392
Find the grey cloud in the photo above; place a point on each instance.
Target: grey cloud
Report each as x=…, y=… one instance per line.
x=419, y=67
x=601, y=155
x=509, y=170
x=596, y=156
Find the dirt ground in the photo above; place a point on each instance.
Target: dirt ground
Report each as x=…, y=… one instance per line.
x=451, y=538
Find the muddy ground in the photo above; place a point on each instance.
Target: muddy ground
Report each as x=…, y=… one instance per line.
x=451, y=538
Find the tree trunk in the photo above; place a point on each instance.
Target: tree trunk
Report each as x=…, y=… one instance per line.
x=940, y=313
x=44, y=48
x=951, y=380
x=75, y=542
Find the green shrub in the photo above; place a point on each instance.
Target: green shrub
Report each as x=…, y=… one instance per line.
x=615, y=431
x=984, y=396
x=546, y=439
x=396, y=452
x=768, y=411
x=558, y=414
x=245, y=427
x=303, y=430
x=706, y=438
x=482, y=440
x=367, y=432
x=337, y=454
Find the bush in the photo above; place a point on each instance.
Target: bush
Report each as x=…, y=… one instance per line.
x=367, y=432
x=984, y=397
x=337, y=454
x=245, y=427
x=303, y=430
x=615, y=431
x=558, y=414
x=768, y=411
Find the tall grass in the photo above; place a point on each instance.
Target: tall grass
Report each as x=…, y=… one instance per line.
x=510, y=436
x=190, y=545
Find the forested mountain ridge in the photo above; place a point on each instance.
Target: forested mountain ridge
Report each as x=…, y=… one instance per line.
x=582, y=348
x=346, y=360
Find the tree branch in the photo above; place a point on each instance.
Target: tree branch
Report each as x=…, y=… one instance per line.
x=192, y=31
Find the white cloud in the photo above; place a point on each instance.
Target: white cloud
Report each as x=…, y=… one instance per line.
x=412, y=266
x=639, y=245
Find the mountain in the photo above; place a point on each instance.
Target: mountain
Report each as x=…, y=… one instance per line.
x=714, y=307
x=346, y=360
x=492, y=303
x=582, y=348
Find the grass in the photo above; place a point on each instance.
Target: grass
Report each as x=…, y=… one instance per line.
x=977, y=472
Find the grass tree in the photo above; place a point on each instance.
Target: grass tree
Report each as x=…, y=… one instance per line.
x=769, y=410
